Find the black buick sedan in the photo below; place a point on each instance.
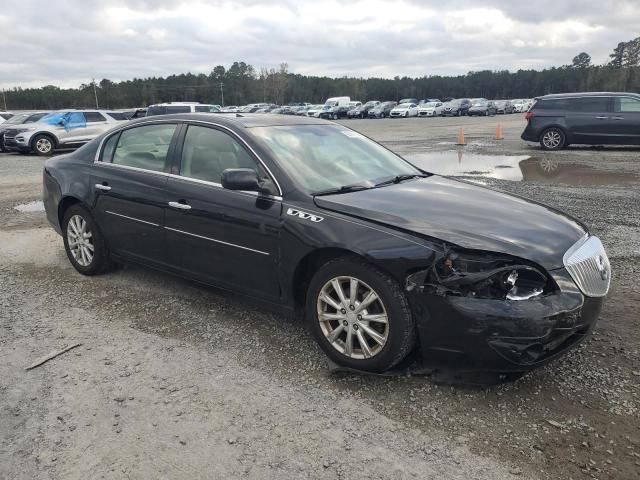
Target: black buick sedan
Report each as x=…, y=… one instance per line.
x=381, y=258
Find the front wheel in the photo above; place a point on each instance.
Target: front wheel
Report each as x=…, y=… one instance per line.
x=359, y=315
x=85, y=246
x=553, y=139
x=43, y=145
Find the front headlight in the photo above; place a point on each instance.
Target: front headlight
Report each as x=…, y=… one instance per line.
x=24, y=130
x=486, y=275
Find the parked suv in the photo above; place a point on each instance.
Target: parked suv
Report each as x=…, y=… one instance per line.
x=557, y=121
x=182, y=107
x=62, y=129
x=16, y=120
x=456, y=108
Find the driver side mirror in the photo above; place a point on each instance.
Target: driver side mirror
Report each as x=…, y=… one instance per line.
x=245, y=179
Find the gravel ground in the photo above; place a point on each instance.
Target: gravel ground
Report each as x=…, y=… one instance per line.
x=177, y=381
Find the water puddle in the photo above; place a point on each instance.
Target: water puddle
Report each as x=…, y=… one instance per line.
x=517, y=168
x=30, y=207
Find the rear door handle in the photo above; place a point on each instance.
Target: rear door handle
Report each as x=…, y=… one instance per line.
x=101, y=186
x=618, y=118
x=602, y=118
x=181, y=206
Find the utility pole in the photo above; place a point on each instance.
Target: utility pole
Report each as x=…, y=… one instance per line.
x=4, y=99
x=95, y=92
x=222, y=94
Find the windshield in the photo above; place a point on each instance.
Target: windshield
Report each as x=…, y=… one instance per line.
x=480, y=103
x=323, y=157
x=429, y=104
x=404, y=105
x=18, y=119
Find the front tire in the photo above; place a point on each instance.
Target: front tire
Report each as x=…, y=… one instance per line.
x=43, y=145
x=359, y=315
x=84, y=243
x=553, y=139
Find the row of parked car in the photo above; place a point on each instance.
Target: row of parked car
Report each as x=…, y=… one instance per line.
x=43, y=132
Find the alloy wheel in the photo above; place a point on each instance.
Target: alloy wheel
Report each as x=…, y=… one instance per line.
x=552, y=139
x=352, y=317
x=80, y=240
x=43, y=145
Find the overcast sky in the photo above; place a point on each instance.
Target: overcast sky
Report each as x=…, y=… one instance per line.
x=67, y=42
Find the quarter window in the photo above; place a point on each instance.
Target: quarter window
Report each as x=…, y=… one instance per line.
x=94, y=117
x=208, y=152
x=627, y=104
x=144, y=147
x=109, y=147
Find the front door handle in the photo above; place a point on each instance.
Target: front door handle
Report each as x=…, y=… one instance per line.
x=101, y=186
x=602, y=118
x=618, y=118
x=181, y=206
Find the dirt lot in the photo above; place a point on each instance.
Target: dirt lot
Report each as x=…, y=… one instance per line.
x=177, y=381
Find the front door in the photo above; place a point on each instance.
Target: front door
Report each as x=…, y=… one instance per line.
x=129, y=182
x=222, y=237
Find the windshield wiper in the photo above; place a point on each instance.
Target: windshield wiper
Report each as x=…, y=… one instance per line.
x=343, y=189
x=399, y=178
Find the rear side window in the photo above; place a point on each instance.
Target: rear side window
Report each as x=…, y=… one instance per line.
x=626, y=104
x=589, y=104
x=156, y=111
x=118, y=115
x=94, y=117
x=206, y=108
x=144, y=147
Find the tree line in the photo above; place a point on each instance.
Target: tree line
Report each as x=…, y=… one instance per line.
x=241, y=83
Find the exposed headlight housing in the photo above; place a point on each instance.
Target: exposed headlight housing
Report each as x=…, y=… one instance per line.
x=485, y=275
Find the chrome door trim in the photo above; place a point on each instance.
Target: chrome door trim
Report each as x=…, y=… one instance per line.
x=96, y=159
x=105, y=188
x=132, y=218
x=217, y=241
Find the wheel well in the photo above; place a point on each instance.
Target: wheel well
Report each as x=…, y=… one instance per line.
x=64, y=205
x=308, y=266
x=45, y=134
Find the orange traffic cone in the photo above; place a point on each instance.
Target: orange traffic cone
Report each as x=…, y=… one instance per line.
x=460, y=140
x=499, y=135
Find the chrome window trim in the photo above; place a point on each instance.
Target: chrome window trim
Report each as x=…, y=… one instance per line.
x=178, y=122
x=217, y=241
x=132, y=218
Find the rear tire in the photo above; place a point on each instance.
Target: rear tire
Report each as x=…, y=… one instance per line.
x=84, y=243
x=553, y=139
x=380, y=333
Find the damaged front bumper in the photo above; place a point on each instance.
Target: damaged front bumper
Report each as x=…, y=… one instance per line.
x=493, y=335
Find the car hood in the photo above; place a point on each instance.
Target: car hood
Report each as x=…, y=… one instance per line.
x=466, y=215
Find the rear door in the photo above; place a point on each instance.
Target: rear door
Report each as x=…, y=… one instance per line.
x=625, y=120
x=589, y=119
x=221, y=237
x=129, y=182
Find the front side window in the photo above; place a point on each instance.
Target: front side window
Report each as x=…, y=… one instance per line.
x=207, y=152
x=323, y=157
x=626, y=104
x=144, y=147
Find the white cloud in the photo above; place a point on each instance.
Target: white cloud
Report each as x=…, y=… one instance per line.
x=120, y=39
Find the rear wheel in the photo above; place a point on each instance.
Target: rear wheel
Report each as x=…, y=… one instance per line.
x=553, y=139
x=84, y=243
x=359, y=315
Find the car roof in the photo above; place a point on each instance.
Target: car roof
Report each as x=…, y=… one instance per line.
x=586, y=94
x=242, y=120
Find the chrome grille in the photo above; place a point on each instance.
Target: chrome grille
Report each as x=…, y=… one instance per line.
x=588, y=264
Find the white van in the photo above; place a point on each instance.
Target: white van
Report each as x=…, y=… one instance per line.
x=335, y=107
